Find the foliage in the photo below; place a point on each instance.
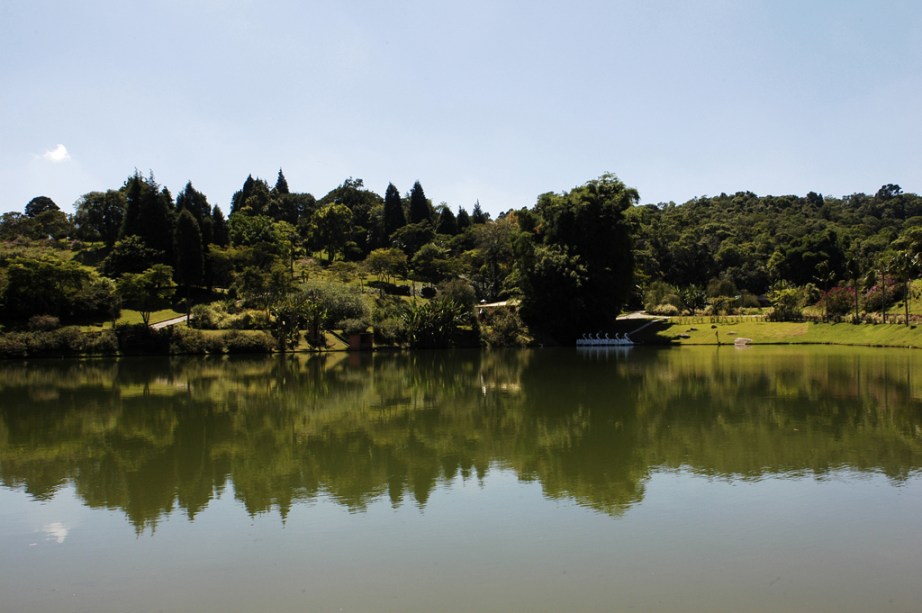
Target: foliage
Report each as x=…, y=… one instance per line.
x=505, y=329
x=61, y=288
x=587, y=251
x=241, y=341
x=435, y=324
x=149, y=290
x=188, y=250
x=787, y=303
x=839, y=301
x=98, y=216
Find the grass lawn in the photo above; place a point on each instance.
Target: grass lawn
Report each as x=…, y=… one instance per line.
x=763, y=332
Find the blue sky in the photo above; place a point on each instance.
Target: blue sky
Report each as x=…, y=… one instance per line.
x=489, y=100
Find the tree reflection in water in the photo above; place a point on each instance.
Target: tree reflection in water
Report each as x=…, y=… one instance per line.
x=149, y=435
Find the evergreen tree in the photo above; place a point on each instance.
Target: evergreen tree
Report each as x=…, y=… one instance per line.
x=394, y=217
x=281, y=184
x=447, y=223
x=189, y=253
x=194, y=201
x=220, y=233
x=420, y=209
x=463, y=219
x=149, y=214
x=478, y=216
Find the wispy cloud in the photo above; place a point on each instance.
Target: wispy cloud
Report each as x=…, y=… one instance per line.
x=56, y=531
x=58, y=154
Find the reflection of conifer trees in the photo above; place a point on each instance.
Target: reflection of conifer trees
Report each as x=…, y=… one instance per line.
x=148, y=436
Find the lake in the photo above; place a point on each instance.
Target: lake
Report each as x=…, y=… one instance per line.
x=692, y=479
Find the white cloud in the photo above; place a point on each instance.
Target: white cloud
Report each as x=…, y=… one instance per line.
x=58, y=154
x=55, y=531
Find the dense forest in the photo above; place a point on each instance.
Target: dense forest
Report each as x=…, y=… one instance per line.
x=295, y=266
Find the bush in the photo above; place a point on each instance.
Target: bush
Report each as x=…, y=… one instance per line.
x=13, y=345
x=340, y=302
x=44, y=322
x=428, y=292
x=238, y=341
x=184, y=340
x=459, y=291
x=505, y=330
x=101, y=343
x=661, y=293
x=215, y=344
x=664, y=309
x=353, y=326
x=207, y=316
x=141, y=339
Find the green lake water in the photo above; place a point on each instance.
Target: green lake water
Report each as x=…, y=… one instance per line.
x=685, y=479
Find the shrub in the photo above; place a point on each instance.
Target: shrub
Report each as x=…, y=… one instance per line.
x=459, y=291
x=101, y=343
x=664, y=309
x=13, y=345
x=428, y=292
x=139, y=338
x=207, y=316
x=505, y=330
x=215, y=344
x=353, y=326
x=839, y=301
x=44, y=322
x=184, y=340
x=238, y=341
x=661, y=293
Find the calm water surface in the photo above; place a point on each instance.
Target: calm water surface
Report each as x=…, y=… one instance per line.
x=693, y=479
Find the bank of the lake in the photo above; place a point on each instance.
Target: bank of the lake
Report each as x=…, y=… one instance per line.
x=702, y=331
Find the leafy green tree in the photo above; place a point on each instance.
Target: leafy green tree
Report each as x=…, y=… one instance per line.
x=387, y=263
x=420, y=208
x=39, y=205
x=594, y=251
x=330, y=228
x=363, y=206
x=263, y=287
x=552, y=282
x=148, y=291
x=412, y=237
x=394, y=217
x=65, y=289
x=432, y=263
x=130, y=255
x=99, y=216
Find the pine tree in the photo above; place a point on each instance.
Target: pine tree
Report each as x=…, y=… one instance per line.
x=220, y=234
x=420, y=209
x=447, y=223
x=189, y=253
x=478, y=216
x=193, y=201
x=394, y=217
x=464, y=220
x=281, y=185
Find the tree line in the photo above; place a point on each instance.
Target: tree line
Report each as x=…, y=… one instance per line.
x=571, y=262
